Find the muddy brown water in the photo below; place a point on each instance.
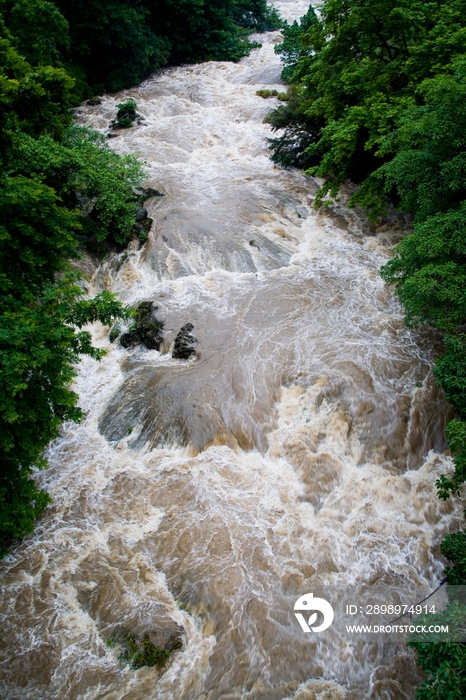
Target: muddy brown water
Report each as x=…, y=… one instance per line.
x=299, y=448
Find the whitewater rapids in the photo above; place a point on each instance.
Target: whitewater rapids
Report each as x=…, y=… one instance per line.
x=300, y=448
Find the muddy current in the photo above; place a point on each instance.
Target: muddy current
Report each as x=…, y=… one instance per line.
x=299, y=447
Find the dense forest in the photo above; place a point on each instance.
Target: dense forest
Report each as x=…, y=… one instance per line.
x=108, y=45
x=376, y=96
x=53, y=55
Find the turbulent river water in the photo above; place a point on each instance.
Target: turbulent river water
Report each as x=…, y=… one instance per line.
x=299, y=448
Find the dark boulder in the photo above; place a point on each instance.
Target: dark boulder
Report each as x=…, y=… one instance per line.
x=137, y=228
x=150, y=334
x=150, y=192
x=130, y=339
x=146, y=330
x=141, y=230
x=143, y=193
x=141, y=214
x=94, y=101
x=184, y=343
x=149, y=328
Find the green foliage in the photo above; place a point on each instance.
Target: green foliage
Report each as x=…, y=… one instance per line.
x=138, y=653
x=282, y=96
x=111, y=42
x=456, y=435
x=39, y=344
x=34, y=247
x=444, y=662
x=267, y=93
x=40, y=31
x=299, y=133
x=86, y=174
x=358, y=67
x=198, y=30
x=429, y=271
x=295, y=45
x=21, y=502
x=429, y=166
x=454, y=549
x=450, y=372
x=47, y=169
x=126, y=113
x=34, y=101
x=256, y=15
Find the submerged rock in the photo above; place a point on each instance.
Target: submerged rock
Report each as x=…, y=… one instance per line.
x=147, y=224
x=167, y=638
x=153, y=649
x=137, y=228
x=142, y=229
x=184, y=343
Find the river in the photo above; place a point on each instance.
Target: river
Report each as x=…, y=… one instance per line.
x=299, y=448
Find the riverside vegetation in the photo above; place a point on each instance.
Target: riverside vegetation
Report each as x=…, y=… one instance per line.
x=376, y=96
x=63, y=189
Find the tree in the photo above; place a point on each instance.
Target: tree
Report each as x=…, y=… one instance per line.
x=33, y=101
x=44, y=314
x=112, y=43
x=39, y=345
x=117, y=43
x=39, y=30
x=357, y=68
x=86, y=173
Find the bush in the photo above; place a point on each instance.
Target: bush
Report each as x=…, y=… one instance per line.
x=138, y=653
x=126, y=114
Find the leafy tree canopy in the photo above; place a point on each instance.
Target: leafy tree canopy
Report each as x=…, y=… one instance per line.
x=356, y=69
x=87, y=175
x=117, y=43
x=40, y=31
x=33, y=100
x=47, y=168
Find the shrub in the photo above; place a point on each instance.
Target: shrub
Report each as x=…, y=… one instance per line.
x=126, y=113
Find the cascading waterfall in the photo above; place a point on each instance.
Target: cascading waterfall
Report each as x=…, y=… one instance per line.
x=299, y=448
